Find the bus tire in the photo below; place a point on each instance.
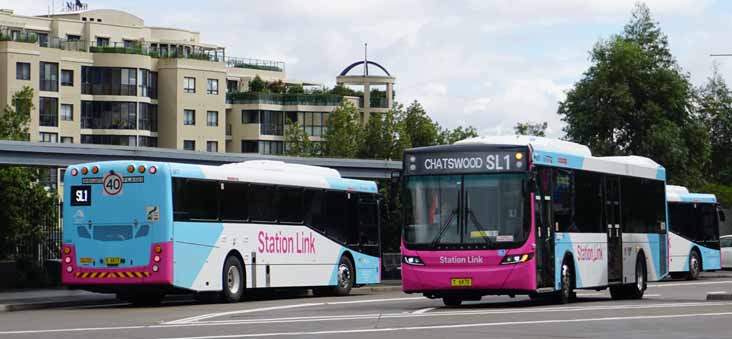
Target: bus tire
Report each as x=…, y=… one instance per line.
x=566, y=291
x=618, y=292
x=695, y=265
x=232, y=279
x=635, y=291
x=346, y=277
x=452, y=301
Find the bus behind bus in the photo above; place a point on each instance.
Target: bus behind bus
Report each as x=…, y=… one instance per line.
x=528, y=215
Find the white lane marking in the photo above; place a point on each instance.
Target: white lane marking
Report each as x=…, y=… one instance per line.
x=652, y=295
x=251, y=310
x=690, y=283
x=424, y=310
x=374, y=316
x=591, y=294
x=718, y=292
x=277, y=308
x=433, y=327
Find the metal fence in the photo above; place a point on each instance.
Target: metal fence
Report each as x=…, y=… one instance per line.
x=45, y=247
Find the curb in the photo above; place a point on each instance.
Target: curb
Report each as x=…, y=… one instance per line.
x=719, y=296
x=54, y=304
x=381, y=288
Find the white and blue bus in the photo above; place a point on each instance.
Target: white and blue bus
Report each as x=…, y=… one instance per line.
x=145, y=229
x=693, y=232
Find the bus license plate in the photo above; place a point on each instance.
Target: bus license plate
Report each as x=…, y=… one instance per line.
x=112, y=261
x=462, y=282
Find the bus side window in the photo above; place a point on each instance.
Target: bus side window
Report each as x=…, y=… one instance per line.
x=291, y=205
x=562, y=200
x=234, y=202
x=588, y=203
x=195, y=199
x=263, y=203
x=336, y=223
x=315, y=209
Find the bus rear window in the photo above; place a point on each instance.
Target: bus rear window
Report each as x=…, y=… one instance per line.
x=112, y=233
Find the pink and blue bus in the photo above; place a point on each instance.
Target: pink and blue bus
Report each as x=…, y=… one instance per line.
x=527, y=215
x=693, y=232
x=144, y=229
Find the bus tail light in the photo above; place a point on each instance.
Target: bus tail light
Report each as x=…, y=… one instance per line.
x=516, y=258
x=74, y=172
x=130, y=169
x=158, y=249
x=413, y=260
x=141, y=168
x=84, y=170
x=155, y=268
x=69, y=269
x=95, y=169
x=153, y=170
x=156, y=258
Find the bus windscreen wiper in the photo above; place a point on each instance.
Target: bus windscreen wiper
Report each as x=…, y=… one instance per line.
x=482, y=230
x=443, y=228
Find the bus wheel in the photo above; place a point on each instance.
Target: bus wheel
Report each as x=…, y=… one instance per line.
x=694, y=265
x=233, y=279
x=452, y=301
x=566, y=294
x=618, y=292
x=346, y=277
x=635, y=291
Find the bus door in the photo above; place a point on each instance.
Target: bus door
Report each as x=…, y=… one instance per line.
x=613, y=230
x=543, y=229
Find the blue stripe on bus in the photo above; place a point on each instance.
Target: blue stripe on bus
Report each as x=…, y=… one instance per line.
x=563, y=245
x=553, y=159
x=366, y=266
x=699, y=197
x=661, y=173
x=186, y=171
x=352, y=185
x=193, y=244
x=654, y=242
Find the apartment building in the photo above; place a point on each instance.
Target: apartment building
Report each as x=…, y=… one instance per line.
x=104, y=77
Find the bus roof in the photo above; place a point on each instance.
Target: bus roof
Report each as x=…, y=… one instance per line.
x=275, y=173
x=681, y=194
x=561, y=153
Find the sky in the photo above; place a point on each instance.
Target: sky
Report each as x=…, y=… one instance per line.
x=489, y=64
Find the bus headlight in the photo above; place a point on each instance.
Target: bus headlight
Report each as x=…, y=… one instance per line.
x=413, y=260
x=516, y=258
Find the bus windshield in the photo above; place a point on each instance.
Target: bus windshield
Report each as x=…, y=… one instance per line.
x=485, y=210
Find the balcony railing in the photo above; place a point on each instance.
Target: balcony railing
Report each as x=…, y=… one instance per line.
x=6, y=34
x=284, y=99
x=265, y=65
x=228, y=130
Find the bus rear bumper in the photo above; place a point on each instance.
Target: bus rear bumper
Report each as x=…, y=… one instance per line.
x=487, y=280
x=155, y=273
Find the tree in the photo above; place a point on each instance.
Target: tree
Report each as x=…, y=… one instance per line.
x=420, y=128
x=257, y=85
x=26, y=204
x=14, y=120
x=531, y=128
x=634, y=99
x=277, y=86
x=297, y=142
x=295, y=89
x=448, y=136
x=343, y=135
x=384, y=137
x=714, y=105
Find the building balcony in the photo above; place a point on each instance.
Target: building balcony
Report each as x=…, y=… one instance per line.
x=258, y=64
x=284, y=99
x=18, y=36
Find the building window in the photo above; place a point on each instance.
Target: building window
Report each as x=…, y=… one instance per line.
x=148, y=118
x=71, y=37
x=270, y=147
x=67, y=112
x=49, y=137
x=189, y=117
x=108, y=115
x=109, y=81
x=212, y=146
x=148, y=141
x=249, y=117
x=128, y=81
x=67, y=140
x=272, y=122
x=48, y=111
x=101, y=42
x=49, y=77
x=189, y=145
x=248, y=146
x=22, y=71
x=42, y=39
x=121, y=140
x=189, y=85
x=212, y=118
x=232, y=86
x=313, y=123
x=148, y=84
x=129, y=43
x=213, y=86
x=67, y=77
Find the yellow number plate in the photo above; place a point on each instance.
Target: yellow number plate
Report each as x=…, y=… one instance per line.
x=462, y=282
x=112, y=261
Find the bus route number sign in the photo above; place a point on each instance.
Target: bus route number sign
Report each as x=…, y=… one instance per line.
x=81, y=195
x=112, y=184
